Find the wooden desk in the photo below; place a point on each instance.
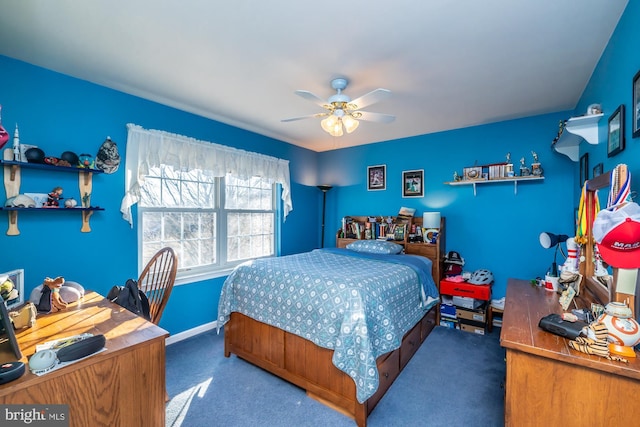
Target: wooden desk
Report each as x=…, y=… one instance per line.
x=122, y=386
x=548, y=383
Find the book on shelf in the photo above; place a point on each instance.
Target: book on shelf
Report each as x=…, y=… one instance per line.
x=405, y=215
x=372, y=228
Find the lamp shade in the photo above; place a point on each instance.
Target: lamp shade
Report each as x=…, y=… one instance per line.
x=431, y=220
x=350, y=124
x=549, y=240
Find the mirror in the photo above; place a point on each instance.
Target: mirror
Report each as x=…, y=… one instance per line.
x=604, y=294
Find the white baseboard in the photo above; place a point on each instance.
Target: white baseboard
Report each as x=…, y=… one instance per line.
x=191, y=332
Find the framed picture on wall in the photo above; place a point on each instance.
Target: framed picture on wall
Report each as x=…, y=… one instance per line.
x=377, y=177
x=635, y=113
x=413, y=183
x=584, y=168
x=597, y=170
x=615, y=139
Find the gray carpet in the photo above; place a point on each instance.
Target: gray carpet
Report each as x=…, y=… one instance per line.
x=455, y=379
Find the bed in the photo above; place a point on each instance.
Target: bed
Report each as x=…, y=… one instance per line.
x=340, y=324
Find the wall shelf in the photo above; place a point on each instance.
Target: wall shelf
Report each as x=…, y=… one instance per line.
x=575, y=131
x=515, y=181
x=12, y=170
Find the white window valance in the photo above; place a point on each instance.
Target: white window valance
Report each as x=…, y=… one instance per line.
x=151, y=148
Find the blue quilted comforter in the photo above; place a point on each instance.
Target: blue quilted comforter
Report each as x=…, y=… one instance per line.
x=359, y=305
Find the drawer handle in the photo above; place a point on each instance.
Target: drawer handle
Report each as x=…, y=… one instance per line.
x=386, y=374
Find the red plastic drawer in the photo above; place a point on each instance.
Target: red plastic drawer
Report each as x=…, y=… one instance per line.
x=464, y=289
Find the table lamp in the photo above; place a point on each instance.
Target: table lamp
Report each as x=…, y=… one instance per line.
x=549, y=240
x=431, y=220
x=430, y=226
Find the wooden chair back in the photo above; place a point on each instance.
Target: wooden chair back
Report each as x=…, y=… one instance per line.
x=156, y=281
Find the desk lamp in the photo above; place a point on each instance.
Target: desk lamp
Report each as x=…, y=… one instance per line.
x=548, y=240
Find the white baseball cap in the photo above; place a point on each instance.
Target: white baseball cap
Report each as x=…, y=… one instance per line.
x=617, y=233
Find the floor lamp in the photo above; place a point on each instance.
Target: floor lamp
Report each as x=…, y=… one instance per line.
x=324, y=189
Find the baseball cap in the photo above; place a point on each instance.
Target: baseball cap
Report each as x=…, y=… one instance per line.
x=617, y=234
x=453, y=257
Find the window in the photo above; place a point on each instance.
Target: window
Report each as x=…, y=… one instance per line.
x=212, y=223
x=203, y=199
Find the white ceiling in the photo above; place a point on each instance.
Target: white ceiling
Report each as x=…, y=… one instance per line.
x=448, y=63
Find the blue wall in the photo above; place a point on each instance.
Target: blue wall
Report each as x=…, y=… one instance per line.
x=495, y=229
x=59, y=113
x=610, y=86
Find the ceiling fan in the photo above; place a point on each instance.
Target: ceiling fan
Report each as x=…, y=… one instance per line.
x=342, y=111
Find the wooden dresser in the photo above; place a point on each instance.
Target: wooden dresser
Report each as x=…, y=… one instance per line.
x=122, y=386
x=548, y=383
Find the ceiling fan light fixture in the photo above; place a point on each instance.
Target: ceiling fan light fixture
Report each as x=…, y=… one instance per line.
x=336, y=129
x=350, y=124
x=341, y=113
x=329, y=123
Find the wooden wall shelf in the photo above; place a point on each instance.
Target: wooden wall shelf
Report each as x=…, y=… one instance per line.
x=12, y=171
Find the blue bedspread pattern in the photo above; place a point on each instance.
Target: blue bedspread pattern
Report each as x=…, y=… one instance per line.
x=331, y=298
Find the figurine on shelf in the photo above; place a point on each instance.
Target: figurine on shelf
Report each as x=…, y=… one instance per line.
x=524, y=171
x=536, y=168
x=17, y=155
x=456, y=177
x=86, y=161
x=53, y=201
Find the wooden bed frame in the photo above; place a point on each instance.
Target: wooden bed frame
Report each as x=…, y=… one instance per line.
x=308, y=366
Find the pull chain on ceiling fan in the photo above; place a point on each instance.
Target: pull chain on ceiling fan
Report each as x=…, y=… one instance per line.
x=342, y=112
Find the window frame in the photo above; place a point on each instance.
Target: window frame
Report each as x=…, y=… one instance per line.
x=219, y=269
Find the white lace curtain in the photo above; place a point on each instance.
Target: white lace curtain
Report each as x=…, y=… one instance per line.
x=151, y=148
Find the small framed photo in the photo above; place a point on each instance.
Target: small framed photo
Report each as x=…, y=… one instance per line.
x=615, y=139
x=635, y=114
x=472, y=173
x=413, y=183
x=377, y=177
x=597, y=170
x=12, y=288
x=584, y=168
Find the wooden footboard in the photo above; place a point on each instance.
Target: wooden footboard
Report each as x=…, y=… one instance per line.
x=308, y=366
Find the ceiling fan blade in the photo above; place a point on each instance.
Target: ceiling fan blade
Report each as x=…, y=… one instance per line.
x=371, y=98
x=375, y=117
x=310, y=116
x=312, y=97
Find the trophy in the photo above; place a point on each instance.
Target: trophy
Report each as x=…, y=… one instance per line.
x=536, y=169
x=508, y=168
x=524, y=170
